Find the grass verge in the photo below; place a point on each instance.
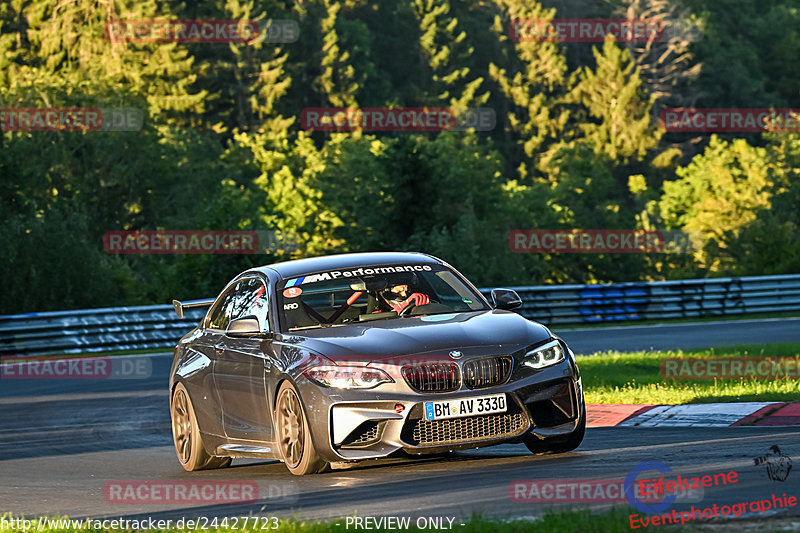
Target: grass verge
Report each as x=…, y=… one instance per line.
x=555, y=522
x=615, y=520
x=616, y=377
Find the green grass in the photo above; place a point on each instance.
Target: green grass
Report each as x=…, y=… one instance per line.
x=615, y=377
x=615, y=520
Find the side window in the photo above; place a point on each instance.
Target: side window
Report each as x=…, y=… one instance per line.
x=246, y=297
x=221, y=315
x=252, y=300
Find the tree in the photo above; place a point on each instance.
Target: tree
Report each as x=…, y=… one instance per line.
x=362, y=185
x=454, y=205
x=744, y=51
x=718, y=193
x=770, y=242
x=336, y=80
x=444, y=51
x=290, y=201
x=63, y=51
x=666, y=64
x=244, y=83
x=620, y=125
x=533, y=82
x=585, y=194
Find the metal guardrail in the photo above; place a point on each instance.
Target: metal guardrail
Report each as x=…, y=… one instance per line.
x=95, y=330
x=659, y=300
x=157, y=327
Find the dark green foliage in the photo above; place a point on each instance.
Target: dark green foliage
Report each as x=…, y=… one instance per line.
x=222, y=147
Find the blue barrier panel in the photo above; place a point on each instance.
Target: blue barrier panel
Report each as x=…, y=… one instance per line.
x=157, y=326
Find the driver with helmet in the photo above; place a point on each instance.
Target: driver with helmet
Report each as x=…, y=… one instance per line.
x=396, y=296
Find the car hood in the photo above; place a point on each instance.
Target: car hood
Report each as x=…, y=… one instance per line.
x=477, y=333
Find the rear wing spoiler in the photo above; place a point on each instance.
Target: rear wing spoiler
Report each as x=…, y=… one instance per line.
x=180, y=306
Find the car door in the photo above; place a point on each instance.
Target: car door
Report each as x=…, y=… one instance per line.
x=241, y=365
x=202, y=386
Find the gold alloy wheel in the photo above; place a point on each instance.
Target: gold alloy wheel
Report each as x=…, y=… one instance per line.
x=182, y=426
x=291, y=427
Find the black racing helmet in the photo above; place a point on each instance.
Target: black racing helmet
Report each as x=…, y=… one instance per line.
x=401, y=278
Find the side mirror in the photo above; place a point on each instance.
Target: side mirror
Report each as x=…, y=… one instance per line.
x=246, y=326
x=506, y=299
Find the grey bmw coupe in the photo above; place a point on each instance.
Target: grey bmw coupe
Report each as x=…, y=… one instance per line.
x=362, y=356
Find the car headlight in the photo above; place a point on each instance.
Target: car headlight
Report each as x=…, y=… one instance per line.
x=348, y=377
x=545, y=355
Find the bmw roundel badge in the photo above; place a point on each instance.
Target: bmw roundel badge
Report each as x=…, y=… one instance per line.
x=455, y=354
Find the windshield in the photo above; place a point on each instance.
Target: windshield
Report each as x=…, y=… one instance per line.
x=372, y=293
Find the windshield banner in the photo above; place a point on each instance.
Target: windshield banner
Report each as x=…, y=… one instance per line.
x=363, y=271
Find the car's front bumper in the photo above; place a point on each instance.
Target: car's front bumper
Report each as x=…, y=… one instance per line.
x=352, y=425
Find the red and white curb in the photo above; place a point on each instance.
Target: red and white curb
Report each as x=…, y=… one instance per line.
x=694, y=415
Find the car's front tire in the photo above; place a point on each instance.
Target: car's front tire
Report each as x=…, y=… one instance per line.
x=559, y=445
x=186, y=435
x=294, y=436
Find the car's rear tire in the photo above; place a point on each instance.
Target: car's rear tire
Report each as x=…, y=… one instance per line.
x=186, y=435
x=560, y=445
x=294, y=437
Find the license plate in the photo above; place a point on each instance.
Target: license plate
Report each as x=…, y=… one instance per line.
x=476, y=405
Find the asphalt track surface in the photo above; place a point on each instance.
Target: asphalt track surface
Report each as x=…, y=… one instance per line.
x=62, y=441
x=682, y=335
